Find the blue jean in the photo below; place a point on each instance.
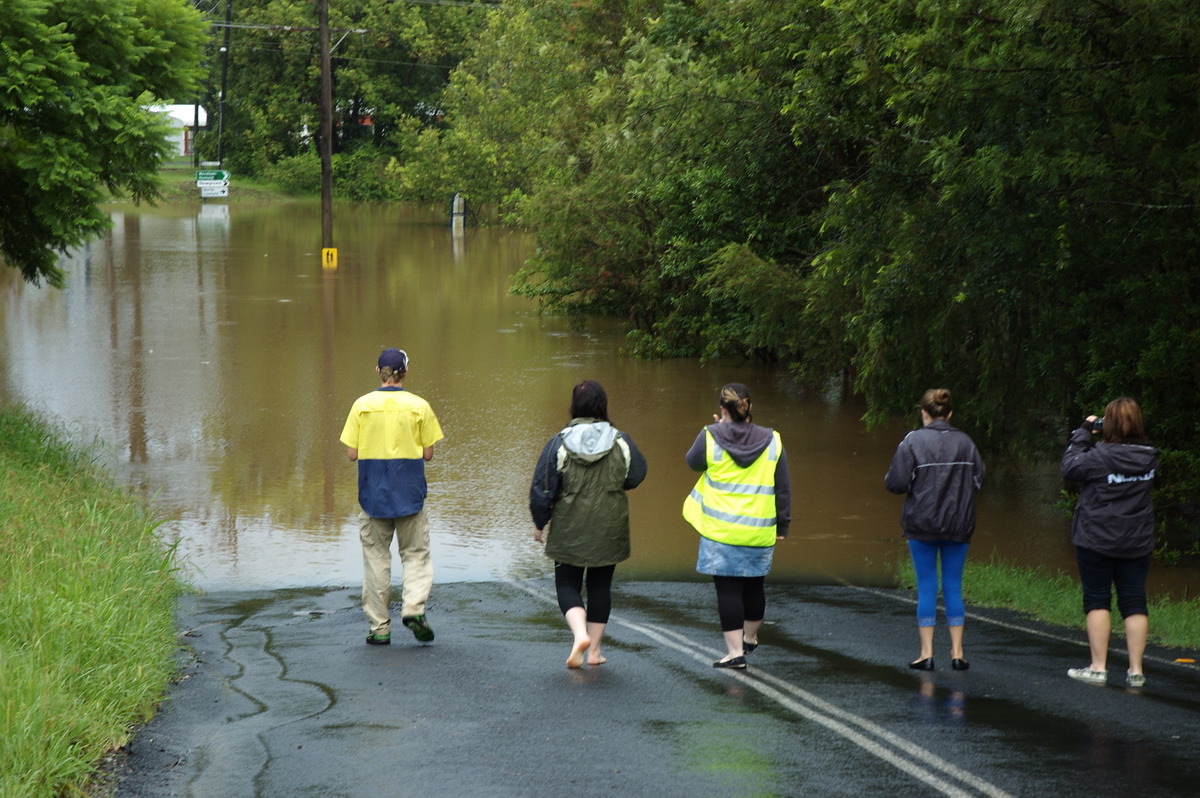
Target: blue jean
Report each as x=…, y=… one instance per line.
x=925, y=556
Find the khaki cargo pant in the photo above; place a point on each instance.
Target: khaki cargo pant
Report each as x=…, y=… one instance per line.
x=412, y=539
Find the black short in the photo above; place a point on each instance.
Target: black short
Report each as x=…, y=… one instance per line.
x=1099, y=573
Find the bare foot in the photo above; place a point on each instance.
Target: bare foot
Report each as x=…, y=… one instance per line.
x=576, y=658
x=596, y=659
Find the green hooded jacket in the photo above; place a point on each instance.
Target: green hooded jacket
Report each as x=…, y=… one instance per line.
x=590, y=522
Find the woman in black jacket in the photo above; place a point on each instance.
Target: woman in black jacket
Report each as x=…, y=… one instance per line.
x=1113, y=530
x=939, y=469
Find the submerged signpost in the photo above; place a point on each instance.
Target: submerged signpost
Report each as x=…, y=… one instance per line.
x=458, y=220
x=212, y=183
x=458, y=213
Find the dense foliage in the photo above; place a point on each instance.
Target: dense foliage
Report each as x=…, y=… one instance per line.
x=999, y=196
x=1021, y=223
x=76, y=77
x=390, y=62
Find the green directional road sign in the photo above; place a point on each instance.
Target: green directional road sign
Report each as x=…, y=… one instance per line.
x=209, y=175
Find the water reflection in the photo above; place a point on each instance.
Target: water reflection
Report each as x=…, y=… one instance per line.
x=217, y=358
x=936, y=708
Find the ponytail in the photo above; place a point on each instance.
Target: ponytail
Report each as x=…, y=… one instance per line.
x=736, y=399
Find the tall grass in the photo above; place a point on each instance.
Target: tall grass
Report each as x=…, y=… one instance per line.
x=87, y=598
x=1056, y=598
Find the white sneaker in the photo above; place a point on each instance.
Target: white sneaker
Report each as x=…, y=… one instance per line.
x=1135, y=679
x=1088, y=675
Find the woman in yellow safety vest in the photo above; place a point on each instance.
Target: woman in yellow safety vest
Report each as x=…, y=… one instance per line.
x=741, y=506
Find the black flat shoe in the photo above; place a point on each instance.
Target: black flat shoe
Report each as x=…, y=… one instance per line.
x=748, y=647
x=922, y=664
x=737, y=663
x=959, y=664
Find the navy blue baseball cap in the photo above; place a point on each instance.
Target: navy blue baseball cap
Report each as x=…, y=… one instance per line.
x=394, y=359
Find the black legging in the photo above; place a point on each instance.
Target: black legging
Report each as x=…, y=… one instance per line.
x=740, y=599
x=568, y=583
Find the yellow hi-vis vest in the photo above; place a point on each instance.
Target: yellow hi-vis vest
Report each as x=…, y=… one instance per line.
x=735, y=505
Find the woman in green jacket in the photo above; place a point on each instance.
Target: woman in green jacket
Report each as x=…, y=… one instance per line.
x=578, y=491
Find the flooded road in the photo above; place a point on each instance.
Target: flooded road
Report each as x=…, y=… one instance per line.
x=216, y=359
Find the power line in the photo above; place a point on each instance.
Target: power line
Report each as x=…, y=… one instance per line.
x=278, y=46
x=460, y=3
x=285, y=28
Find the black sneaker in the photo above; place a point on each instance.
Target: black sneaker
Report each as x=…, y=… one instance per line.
x=419, y=626
x=379, y=640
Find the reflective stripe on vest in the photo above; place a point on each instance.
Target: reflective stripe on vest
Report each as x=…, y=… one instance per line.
x=735, y=505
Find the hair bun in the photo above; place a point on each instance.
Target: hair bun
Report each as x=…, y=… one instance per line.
x=936, y=402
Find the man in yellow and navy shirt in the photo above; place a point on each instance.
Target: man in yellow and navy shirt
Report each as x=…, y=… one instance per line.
x=390, y=432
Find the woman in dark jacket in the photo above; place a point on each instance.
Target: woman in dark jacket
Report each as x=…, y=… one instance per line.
x=939, y=469
x=1113, y=530
x=579, y=484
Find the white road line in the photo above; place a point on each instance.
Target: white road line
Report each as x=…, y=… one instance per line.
x=907, y=746
x=811, y=707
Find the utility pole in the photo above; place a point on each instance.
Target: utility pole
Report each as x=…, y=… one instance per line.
x=224, y=80
x=196, y=129
x=326, y=142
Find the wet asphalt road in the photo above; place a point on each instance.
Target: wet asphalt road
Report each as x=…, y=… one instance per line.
x=281, y=697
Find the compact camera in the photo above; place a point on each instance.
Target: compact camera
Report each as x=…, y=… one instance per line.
x=1098, y=424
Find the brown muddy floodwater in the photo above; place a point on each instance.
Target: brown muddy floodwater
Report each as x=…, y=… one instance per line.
x=215, y=358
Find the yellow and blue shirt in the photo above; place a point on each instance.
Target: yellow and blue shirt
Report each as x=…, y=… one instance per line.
x=391, y=427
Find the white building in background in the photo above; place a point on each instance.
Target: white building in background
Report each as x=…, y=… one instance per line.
x=184, y=121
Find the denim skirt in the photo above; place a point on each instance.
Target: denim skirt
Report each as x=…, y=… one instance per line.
x=722, y=559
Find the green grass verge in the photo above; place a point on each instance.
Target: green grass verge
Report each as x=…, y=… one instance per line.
x=87, y=611
x=1055, y=598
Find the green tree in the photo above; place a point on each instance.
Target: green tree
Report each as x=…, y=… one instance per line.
x=515, y=110
x=999, y=196
x=390, y=62
x=1022, y=221
x=76, y=77
x=644, y=144
x=685, y=161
